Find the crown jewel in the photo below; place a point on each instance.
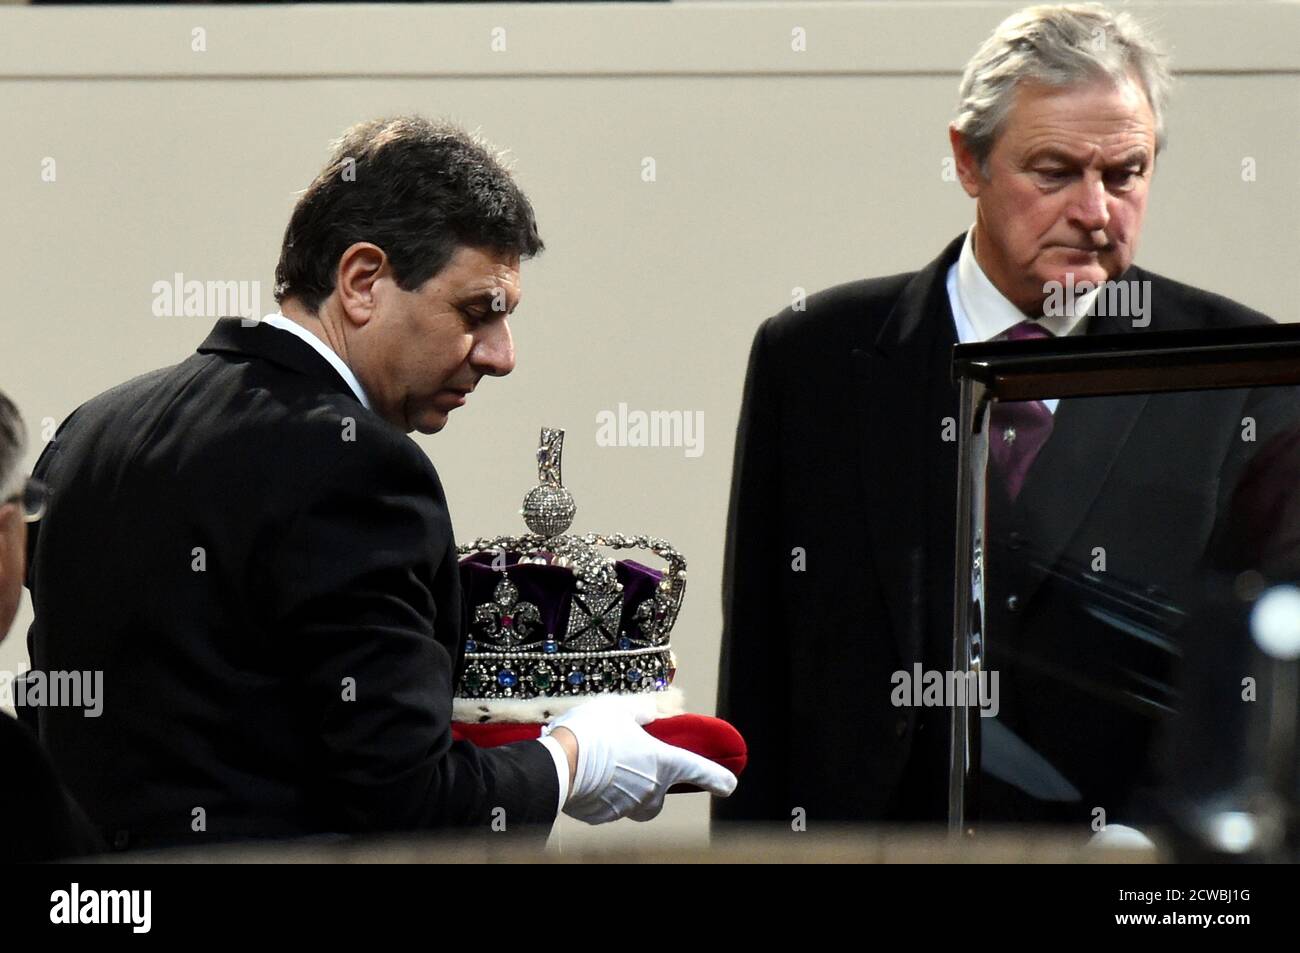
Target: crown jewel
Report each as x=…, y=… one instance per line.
x=549, y=508
x=552, y=616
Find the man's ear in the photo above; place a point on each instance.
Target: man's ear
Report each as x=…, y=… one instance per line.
x=360, y=266
x=13, y=539
x=968, y=169
x=13, y=546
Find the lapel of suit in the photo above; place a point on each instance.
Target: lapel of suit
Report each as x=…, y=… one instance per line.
x=1088, y=436
x=904, y=391
x=234, y=336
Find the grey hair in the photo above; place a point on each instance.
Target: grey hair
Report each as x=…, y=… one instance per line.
x=13, y=443
x=1057, y=45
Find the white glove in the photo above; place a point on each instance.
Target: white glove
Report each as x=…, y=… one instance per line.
x=622, y=770
x=1118, y=835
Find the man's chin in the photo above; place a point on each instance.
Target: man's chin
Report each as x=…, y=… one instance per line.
x=430, y=421
x=1060, y=287
x=1065, y=266
x=1094, y=273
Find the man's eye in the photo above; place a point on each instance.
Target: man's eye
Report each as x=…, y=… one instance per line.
x=1054, y=175
x=1123, y=179
x=474, y=315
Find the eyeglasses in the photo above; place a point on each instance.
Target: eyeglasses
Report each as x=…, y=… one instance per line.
x=32, y=498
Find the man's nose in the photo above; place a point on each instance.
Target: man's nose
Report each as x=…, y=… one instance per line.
x=494, y=351
x=1089, y=211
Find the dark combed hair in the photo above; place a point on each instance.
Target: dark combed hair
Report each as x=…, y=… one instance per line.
x=415, y=187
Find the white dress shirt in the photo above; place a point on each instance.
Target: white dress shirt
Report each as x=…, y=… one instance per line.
x=278, y=320
x=981, y=312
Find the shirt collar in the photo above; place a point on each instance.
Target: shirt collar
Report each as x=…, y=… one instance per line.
x=989, y=311
x=278, y=320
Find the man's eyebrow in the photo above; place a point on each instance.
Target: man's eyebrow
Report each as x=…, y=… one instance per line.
x=487, y=296
x=1137, y=154
x=1054, y=154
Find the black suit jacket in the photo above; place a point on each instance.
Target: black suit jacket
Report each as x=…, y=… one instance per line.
x=841, y=461
x=265, y=572
x=41, y=820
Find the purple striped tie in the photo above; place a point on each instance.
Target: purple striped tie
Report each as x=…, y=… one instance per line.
x=1019, y=429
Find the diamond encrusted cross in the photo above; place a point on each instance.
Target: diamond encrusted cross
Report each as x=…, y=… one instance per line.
x=593, y=618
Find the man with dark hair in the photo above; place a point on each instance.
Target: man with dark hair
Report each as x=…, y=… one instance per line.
x=261, y=561
x=39, y=820
x=416, y=199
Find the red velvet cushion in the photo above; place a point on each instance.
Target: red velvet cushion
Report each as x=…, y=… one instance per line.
x=711, y=737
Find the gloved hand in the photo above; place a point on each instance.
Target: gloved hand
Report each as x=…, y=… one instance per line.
x=1121, y=836
x=624, y=772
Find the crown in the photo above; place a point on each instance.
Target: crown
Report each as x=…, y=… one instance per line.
x=552, y=618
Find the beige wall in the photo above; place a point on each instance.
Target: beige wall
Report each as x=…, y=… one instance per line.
x=775, y=170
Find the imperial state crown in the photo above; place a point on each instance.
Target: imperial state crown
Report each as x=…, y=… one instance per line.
x=554, y=622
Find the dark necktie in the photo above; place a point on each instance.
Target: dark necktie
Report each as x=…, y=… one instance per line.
x=1019, y=429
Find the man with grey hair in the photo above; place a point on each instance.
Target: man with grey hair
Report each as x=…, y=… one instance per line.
x=39, y=820
x=846, y=458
